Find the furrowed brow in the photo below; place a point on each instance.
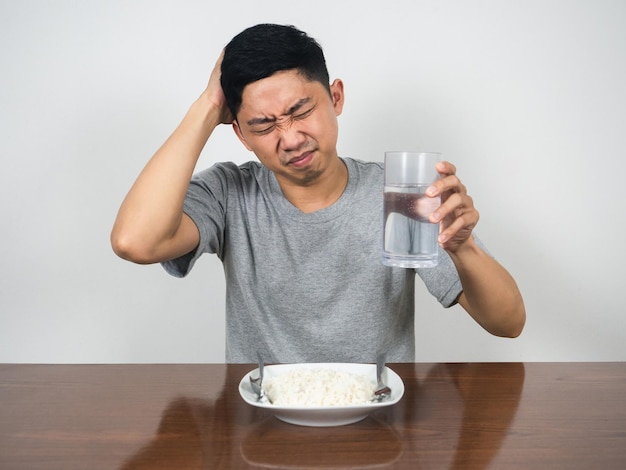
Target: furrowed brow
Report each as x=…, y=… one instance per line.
x=267, y=120
x=298, y=105
x=261, y=120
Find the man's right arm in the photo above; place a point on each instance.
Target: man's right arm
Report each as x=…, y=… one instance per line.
x=151, y=226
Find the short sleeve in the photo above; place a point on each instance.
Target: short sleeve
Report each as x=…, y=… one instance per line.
x=443, y=281
x=205, y=204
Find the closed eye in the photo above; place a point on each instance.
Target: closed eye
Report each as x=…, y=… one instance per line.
x=264, y=131
x=304, y=114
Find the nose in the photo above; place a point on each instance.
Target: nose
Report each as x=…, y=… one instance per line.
x=291, y=137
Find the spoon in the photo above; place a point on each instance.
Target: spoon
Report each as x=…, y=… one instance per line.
x=382, y=391
x=257, y=383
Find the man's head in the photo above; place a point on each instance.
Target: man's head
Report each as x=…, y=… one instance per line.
x=262, y=50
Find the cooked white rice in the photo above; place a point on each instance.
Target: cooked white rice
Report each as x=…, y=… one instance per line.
x=318, y=387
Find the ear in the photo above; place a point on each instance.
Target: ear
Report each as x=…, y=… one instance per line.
x=337, y=95
x=239, y=134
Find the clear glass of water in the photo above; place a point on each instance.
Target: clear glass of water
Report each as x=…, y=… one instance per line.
x=409, y=239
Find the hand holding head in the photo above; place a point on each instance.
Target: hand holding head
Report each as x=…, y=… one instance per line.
x=215, y=94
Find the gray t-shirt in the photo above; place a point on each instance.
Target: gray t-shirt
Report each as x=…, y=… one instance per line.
x=307, y=287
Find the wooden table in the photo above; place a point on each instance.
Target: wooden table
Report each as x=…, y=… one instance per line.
x=496, y=415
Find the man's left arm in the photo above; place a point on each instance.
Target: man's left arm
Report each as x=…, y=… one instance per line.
x=490, y=294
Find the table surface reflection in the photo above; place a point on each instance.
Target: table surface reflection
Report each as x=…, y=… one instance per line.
x=190, y=416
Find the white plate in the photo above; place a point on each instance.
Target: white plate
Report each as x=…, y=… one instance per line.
x=323, y=415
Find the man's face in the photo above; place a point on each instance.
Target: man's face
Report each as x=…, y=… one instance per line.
x=290, y=123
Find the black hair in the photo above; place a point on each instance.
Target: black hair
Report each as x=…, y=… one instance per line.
x=262, y=50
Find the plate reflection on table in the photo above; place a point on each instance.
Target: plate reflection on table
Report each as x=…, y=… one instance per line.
x=366, y=444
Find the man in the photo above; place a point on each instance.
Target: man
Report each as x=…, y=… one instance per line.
x=299, y=233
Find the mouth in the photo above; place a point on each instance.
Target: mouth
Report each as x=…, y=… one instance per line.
x=301, y=160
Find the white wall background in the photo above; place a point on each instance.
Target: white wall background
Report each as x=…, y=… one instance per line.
x=527, y=98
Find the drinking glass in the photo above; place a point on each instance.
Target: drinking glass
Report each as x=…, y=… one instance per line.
x=409, y=239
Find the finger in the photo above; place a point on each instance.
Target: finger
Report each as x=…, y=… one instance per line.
x=450, y=183
x=445, y=168
x=460, y=229
x=453, y=203
x=449, y=233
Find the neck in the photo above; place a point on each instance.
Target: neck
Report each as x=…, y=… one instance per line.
x=320, y=193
